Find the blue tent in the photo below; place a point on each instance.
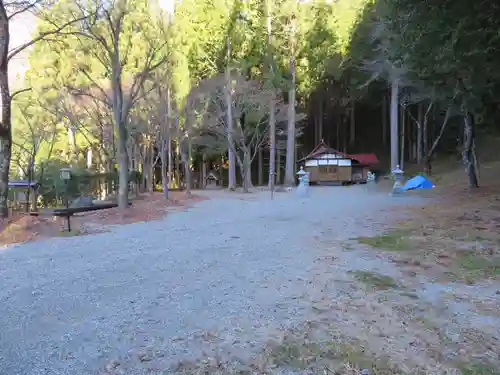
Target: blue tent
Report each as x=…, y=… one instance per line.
x=418, y=182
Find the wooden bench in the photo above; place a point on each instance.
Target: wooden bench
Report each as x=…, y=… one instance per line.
x=70, y=211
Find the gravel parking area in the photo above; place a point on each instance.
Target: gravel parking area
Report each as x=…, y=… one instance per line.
x=223, y=276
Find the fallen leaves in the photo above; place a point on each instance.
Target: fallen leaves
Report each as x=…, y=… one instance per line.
x=23, y=227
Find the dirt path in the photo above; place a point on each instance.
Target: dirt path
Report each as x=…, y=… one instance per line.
x=235, y=283
x=394, y=301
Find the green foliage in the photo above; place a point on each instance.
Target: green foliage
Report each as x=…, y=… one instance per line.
x=344, y=51
x=83, y=182
x=440, y=50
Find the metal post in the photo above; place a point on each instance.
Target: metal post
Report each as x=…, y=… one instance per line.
x=67, y=204
x=65, y=174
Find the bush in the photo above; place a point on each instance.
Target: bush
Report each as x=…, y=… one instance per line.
x=83, y=182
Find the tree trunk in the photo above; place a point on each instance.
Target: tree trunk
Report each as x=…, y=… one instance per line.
x=260, y=166
x=320, y=120
x=290, y=140
x=123, y=167
x=272, y=105
x=247, y=174
x=316, y=128
x=168, y=165
x=5, y=112
x=410, y=136
x=425, y=144
x=136, y=167
x=352, y=132
x=272, y=152
x=420, y=117
x=170, y=162
x=122, y=178
x=164, y=172
x=178, y=148
x=189, y=183
x=5, y=154
x=278, y=165
x=72, y=146
x=345, y=127
x=384, y=119
x=203, y=171
x=394, y=123
x=430, y=153
x=187, y=168
x=151, y=169
x=229, y=115
x=469, y=139
x=120, y=123
x=403, y=129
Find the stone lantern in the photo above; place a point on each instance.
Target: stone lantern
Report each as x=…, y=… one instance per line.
x=303, y=187
x=399, y=176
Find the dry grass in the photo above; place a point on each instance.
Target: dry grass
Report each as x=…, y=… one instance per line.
x=298, y=355
x=479, y=369
x=472, y=265
x=396, y=240
x=457, y=237
x=335, y=357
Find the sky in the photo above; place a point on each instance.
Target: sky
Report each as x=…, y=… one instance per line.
x=21, y=28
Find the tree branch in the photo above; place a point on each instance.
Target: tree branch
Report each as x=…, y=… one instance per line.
x=79, y=92
x=443, y=126
x=19, y=49
x=26, y=7
x=105, y=98
x=15, y=93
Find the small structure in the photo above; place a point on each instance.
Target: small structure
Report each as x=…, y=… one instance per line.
x=212, y=180
x=303, y=187
x=361, y=166
x=399, y=177
x=327, y=166
x=24, y=193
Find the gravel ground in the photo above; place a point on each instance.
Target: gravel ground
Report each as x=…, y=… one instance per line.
x=225, y=274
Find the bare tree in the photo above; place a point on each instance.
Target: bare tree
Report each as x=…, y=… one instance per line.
x=29, y=140
x=387, y=63
x=272, y=109
x=143, y=131
x=290, y=140
x=8, y=11
x=229, y=115
x=87, y=116
x=251, y=103
x=150, y=129
x=164, y=117
x=106, y=31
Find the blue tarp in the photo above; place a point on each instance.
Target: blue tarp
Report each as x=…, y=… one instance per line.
x=418, y=182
